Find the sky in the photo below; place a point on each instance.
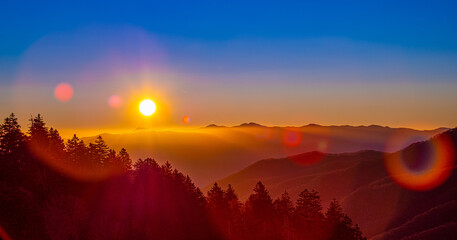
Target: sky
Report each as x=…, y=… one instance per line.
x=391, y=63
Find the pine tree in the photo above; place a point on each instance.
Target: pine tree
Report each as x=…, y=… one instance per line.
x=233, y=213
x=146, y=165
x=309, y=217
x=284, y=209
x=334, y=212
x=98, y=151
x=283, y=205
x=216, y=200
x=232, y=198
x=39, y=134
x=56, y=148
x=125, y=159
x=217, y=206
x=260, y=212
x=38, y=144
x=195, y=192
x=340, y=225
x=11, y=137
x=71, y=149
x=77, y=152
x=12, y=148
x=166, y=168
x=309, y=206
x=112, y=162
x=178, y=177
x=260, y=202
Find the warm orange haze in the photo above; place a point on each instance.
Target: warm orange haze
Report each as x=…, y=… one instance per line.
x=295, y=120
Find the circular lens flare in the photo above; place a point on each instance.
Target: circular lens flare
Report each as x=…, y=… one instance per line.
x=292, y=137
x=63, y=92
x=186, y=119
x=422, y=166
x=147, y=107
x=115, y=101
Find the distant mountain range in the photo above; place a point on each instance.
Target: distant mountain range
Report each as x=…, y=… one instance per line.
x=382, y=208
x=213, y=152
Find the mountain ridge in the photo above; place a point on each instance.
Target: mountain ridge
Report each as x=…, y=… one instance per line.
x=356, y=179
x=208, y=154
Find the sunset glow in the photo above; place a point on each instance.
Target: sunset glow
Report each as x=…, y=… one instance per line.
x=169, y=120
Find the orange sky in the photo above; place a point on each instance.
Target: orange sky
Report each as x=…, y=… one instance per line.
x=327, y=81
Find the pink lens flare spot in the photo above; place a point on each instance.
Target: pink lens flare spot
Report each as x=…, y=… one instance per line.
x=63, y=92
x=115, y=101
x=186, y=119
x=322, y=146
x=292, y=137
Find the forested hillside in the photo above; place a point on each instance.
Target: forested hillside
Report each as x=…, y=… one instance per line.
x=51, y=189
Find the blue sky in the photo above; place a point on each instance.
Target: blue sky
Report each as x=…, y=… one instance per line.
x=413, y=24
x=252, y=51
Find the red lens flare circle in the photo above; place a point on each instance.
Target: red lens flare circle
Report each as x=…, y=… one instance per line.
x=423, y=166
x=186, y=119
x=115, y=101
x=292, y=137
x=63, y=92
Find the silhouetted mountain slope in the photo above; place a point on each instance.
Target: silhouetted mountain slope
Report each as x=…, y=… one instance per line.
x=213, y=152
x=446, y=231
x=433, y=218
x=382, y=208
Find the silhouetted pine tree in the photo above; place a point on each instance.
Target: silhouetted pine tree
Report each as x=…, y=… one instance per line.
x=77, y=154
x=339, y=226
x=260, y=213
x=38, y=132
x=284, y=210
x=167, y=169
x=234, y=217
x=218, y=208
x=12, y=148
x=111, y=160
x=308, y=215
x=98, y=151
x=56, y=148
x=196, y=193
x=124, y=159
x=11, y=137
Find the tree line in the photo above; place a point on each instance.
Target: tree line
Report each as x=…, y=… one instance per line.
x=56, y=189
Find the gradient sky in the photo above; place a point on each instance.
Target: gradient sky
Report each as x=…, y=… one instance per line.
x=285, y=63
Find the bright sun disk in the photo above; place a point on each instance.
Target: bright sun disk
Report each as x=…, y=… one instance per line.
x=147, y=107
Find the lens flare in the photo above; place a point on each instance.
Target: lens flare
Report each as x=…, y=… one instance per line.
x=292, y=137
x=422, y=166
x=77, y=171
x=115, y=101
x=322, y=146
x=63, y=92
x=147, y=107
x=186, y=119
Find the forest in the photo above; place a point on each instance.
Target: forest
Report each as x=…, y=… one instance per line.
x=56, y=189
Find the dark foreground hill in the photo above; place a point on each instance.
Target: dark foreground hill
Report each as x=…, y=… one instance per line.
x=214, y=152
x=383, y=208
x=51, y=189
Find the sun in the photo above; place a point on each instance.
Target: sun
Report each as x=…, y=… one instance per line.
x=147, y=107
